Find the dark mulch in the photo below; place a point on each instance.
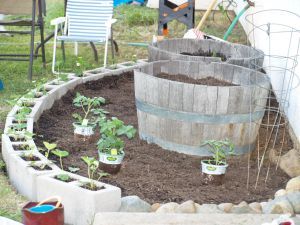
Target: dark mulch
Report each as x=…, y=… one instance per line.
x=152, y=173
x=210, y=81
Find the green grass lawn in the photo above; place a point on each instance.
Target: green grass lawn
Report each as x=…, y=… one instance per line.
x=135, y=24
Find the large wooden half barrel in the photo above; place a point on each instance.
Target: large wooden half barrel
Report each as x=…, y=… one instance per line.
x=213, y=51
x=181, y=116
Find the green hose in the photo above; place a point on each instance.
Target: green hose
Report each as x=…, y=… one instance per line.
x=236, y=19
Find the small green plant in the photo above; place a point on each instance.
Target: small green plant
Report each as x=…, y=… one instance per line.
x=89, y=106
x=61, y=154
x=63, y=177
x=220, y=150
x=79, y=67
x=134, y=58
x=2, y=165
x=93, y=166
x=73, y=169
x=111, y=131
x=49, y=148
x=29, y=152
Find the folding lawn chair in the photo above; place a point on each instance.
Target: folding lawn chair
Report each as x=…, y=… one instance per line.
x=24, y=7
x=85, y=21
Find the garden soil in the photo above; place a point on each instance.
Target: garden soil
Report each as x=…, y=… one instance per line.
x=148, y=171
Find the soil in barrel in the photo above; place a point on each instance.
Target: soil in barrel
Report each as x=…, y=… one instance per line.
x=148, y=171
x=210, y=81
x=206, y=54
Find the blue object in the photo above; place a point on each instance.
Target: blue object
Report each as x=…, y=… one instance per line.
x=119, y=2
x=42, y=209
x=1, y=85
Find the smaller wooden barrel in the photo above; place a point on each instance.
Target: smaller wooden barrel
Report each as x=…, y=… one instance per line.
x=215, y=51
x=181, y=116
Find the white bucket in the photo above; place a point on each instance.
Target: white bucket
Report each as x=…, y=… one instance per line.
x=83, y=130
x=111, y=159
x=213, y=169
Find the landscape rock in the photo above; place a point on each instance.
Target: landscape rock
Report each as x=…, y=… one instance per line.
x=155, y=206
x=242, y=208
x=226, y=207
x=170, y=207
x=273, y=156
x=293, y=185
x=280, y=192
x=187, y=207
x=280, y=205
x=290, y=163
x=134, y=204
x=294, y=199
x=255, y=206
x=208, y=208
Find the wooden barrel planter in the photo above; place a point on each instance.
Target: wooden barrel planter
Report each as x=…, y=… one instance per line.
x=180, y=116
x=207, y=51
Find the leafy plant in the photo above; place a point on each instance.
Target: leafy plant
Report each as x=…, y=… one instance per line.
x=61, y=154
x=220, y=150
x=111, y=131
x=73, y=169
x=50, y=147
x=93, y=166
x=89, y=106
x=63, y=177
x=79, y=67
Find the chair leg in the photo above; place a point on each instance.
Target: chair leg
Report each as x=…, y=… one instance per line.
x=112, y=44
x=43, y=44
x=95, y=51
x=105, y=53
x=54, y=51
x=32, y=41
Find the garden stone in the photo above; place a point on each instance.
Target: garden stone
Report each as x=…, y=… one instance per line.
x=187, y=207
x=226, y=207
x=242, y=208
x=155, y=207
x=293, y=185
x=255, y=206
x=290, y=163
x=280, y=205
x=280, y=192
x=134, y=204
x=208, y=208
x=294, y=199
x=170, y=207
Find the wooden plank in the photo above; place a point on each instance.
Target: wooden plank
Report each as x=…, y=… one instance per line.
x=205, y=70
x=228, y=71
x=197, y=134
x=176, y=95
x=183, y=67
x=140, y=86
x=152, y=91
x=186, y=133
x=222, y=102
x=247, y=99
x=200, y=97
x=152, y=123
x=163, y=89
x=235, y=99
x=188, y=97
x=212, y=99
x=193, y=69
x=142, y=117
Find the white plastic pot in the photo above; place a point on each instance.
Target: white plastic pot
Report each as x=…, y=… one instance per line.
x=111, y=159
x=213, y=169
x=84, y=130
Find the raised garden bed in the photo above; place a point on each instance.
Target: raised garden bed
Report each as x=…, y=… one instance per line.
x=152, y=173
x=207, y=51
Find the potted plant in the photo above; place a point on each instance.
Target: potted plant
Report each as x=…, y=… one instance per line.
x=111, y=146
x=85, y=123
x=214, y=169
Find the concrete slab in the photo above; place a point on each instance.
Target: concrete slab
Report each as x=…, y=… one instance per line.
x=5, y=221
x=183, y=219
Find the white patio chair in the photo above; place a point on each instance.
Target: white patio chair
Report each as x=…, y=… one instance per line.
x=85, y=21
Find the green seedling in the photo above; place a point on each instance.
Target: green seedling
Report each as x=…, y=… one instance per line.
x=220, y=150
x=79, y=67
x=61, y=154
x=73, y=169
x=63, y=177
x=93, y=166
x=50, y=147
x=89, y=106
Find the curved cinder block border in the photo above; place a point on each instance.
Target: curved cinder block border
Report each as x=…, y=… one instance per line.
x=80, y=204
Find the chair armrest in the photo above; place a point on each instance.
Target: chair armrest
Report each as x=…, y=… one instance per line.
x=110, y=22
x=58, y=20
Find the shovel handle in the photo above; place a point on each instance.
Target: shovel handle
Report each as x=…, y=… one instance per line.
x=51, y=198
x=210, y=7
